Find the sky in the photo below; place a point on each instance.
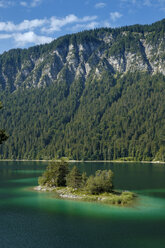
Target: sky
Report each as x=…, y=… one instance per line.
x=25, y=23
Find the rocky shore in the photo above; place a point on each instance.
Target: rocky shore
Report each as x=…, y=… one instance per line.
x=115, y=198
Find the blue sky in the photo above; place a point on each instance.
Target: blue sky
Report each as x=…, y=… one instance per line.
x=24, y=23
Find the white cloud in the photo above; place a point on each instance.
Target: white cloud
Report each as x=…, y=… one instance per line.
x=23, y=4
x=32, y=4
x=87, y=18
x=46, y=25
x=5, y=4
x=55, y=24
x=85, y=26
x=25, y=25
x=30, y=37
x=90, y=25
x=115, y=15
x=100, y=5
x=7, y=26
x=106, y=24
x=5, y=36
x=22, y=39
x=37, y=31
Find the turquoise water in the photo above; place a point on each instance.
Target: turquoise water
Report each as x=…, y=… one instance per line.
x=33, y=219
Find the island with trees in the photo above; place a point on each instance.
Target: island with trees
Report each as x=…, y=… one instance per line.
x=71, y=184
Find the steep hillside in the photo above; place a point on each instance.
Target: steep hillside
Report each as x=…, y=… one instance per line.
x=93, y=95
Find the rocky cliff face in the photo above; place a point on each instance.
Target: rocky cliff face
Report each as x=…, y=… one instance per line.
x=136, y=48
x=93, y=95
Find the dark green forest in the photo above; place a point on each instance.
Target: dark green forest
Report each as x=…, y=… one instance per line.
x=108, y=119
x=49, y=112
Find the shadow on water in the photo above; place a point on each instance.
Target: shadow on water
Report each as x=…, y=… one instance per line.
x=34, y=219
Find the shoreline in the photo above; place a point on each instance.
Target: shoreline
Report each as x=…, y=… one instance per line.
x=80, y=161
x=118, y=198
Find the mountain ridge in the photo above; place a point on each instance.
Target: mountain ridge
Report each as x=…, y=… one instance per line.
x=77, y=96
x=120, y=50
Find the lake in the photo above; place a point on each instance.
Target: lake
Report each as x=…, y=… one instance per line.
x=30, y=219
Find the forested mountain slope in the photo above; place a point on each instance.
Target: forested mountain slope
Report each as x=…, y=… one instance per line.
x=93, y=95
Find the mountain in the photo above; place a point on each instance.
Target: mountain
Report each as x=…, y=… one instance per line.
x=97, y=94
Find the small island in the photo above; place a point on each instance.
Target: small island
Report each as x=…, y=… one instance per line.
x=71, y=184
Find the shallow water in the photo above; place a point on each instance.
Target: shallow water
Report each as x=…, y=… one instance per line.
x=36, y=219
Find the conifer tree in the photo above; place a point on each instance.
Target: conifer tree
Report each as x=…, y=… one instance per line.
x=3, y=135
x=83, y=179
x=55, y=174
x=74, y=178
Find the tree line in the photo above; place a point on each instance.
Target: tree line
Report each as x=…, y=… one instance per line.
x=110, y=118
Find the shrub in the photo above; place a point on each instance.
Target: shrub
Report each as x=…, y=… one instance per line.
x=101, y=182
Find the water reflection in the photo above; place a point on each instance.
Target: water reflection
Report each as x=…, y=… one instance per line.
x=34, y=219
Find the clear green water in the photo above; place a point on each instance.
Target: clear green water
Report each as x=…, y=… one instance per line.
x=30, y=219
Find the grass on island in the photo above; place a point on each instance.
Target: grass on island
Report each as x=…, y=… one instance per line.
x=71, y=184
x=114, y=198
